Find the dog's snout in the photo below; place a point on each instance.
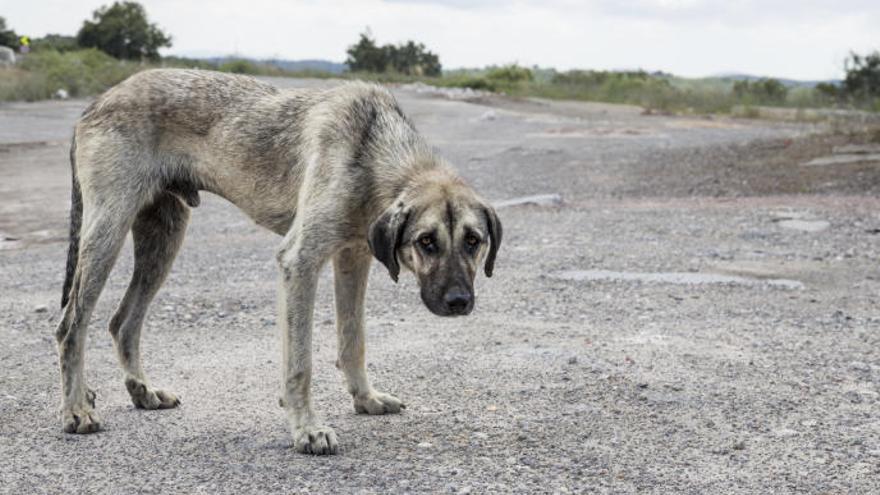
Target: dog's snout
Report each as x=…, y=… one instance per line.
x=458, y=301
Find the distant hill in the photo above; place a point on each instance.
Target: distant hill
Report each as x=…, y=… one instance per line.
x=288, y=65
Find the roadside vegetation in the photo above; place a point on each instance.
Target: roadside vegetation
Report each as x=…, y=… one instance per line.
x=119, y=40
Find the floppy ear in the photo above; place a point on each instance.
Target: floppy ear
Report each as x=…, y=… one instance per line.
x=385, y=236
x=494, y=226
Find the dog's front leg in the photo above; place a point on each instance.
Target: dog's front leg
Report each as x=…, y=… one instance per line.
x=300, y=267
x=351, y=268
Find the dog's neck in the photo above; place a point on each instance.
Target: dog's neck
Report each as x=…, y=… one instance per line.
x=403, y=166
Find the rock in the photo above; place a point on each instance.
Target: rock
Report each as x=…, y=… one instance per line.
x=61, y=94
x=425, y=445
x=544, y=200
x=843, y=159
x=675, y=278
x=859, y=366
x=7, y=56
x=786, y=433
x=40, y=308
x=573, y=360
x=856, y=149
x=489, y=115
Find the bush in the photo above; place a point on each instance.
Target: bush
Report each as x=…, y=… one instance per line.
x=862, y=81
x=760, y=92
x=57, y=42
x=80, y=73
x=239, y=66
x=510, y=74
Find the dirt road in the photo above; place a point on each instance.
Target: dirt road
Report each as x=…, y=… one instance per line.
x=700, y=315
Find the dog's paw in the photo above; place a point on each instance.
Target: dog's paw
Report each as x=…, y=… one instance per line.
x=315, y=440
x=378, y=403
x=145, y=397
x=80, y=419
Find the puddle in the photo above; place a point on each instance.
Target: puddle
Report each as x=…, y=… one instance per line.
x=676, y=278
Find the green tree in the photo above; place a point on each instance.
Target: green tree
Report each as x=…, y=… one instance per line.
x=413, y=59
x=123, y=31
x=408, y=58
x=862, y=76
x=366, y=56
x=7, y=36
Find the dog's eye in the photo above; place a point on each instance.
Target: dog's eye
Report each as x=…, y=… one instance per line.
x=427, y=243
x=471, y=242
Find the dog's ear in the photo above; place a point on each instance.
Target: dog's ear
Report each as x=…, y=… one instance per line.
x=385, y=237
x=494, y=226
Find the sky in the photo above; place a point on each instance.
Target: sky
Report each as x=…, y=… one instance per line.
x=806, y=39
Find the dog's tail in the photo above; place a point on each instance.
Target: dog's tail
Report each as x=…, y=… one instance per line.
x=76, y=213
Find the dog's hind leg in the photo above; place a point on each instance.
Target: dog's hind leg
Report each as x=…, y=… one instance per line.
x=351, y=267
x=157, y=233
x=103, y=234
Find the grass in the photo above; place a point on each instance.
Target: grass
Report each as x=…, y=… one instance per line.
x=88, y=72
x=81, y=73
x=39, y=75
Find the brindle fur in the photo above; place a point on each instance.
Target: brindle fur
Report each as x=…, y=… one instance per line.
x=340, y=173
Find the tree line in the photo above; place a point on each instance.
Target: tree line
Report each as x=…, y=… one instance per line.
x=124, y=31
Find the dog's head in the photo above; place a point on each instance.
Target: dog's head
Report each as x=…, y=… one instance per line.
x=441, y=231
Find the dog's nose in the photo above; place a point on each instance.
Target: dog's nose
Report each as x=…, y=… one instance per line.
x=458, y=301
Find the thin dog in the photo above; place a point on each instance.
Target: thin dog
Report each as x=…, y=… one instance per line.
x=340, y=173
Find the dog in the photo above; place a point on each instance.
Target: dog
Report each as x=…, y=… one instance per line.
x=341, y=174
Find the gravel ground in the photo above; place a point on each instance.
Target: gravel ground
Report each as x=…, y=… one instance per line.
x=561, y=381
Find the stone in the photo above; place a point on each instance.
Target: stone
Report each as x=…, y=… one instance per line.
x=544, y=200
x=805, y=225
x=675, y=278
x=843, y=159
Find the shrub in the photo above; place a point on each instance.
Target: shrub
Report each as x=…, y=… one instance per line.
x=80, y=73
x=239, y=66
x=57, y=42
x=510, y=74
x=760, y=92
x=862, y=81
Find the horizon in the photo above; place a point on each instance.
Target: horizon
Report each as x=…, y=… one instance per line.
x=802, y=41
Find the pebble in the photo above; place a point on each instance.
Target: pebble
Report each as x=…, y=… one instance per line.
x=425, y=445
x=545, y=200
x=859, y=366
x=805, y=225
x=41, y=308
x=786, y=432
